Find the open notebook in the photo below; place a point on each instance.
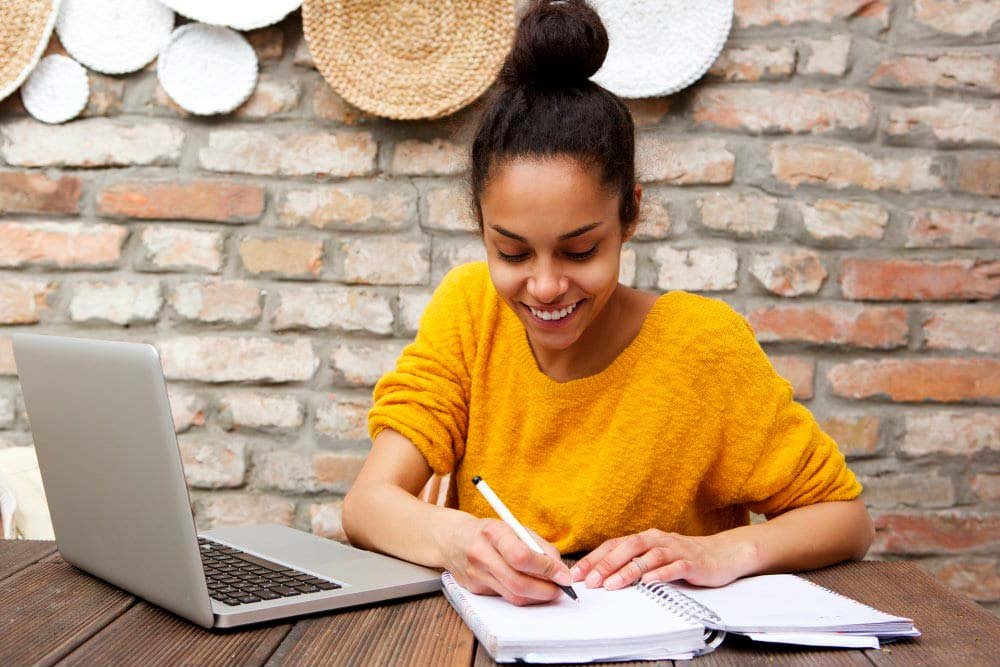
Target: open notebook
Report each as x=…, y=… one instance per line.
x=670, y=621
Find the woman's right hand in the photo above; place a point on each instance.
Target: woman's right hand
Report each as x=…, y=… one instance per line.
x=487, y=557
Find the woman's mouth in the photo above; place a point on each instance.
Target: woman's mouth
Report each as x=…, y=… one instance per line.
x=548, y=318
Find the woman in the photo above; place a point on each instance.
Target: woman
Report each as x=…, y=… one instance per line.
x=639, y=430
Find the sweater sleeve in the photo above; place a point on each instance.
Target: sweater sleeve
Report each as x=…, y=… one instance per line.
x=772, y=454
x=426, y=397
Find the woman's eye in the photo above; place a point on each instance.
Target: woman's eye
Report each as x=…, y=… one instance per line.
x=512, y=258
x=580, y=256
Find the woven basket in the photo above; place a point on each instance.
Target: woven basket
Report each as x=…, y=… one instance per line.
x=409, y=59
x=25, y=28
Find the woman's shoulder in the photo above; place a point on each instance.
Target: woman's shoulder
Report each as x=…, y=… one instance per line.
x=471, y=279
x=686, y=313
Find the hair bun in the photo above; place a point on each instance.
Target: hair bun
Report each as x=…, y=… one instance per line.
x=558, y=43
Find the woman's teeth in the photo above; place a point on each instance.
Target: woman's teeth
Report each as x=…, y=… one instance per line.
x=552, y=314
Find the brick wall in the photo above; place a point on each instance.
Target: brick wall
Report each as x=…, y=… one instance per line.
x=834, y=178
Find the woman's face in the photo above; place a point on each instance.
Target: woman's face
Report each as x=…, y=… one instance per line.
x=553, y=241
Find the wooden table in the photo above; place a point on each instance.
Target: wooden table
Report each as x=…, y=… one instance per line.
x=50, y=612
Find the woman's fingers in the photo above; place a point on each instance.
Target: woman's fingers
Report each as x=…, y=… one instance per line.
x=585, y=565
x=678, y=569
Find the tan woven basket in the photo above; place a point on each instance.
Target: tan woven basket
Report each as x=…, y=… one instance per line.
x=25, y=28
x=408, y=59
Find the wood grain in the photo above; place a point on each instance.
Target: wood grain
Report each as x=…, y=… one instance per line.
x=16, y=555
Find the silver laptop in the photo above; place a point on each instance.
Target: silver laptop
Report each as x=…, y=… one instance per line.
x=106, y=447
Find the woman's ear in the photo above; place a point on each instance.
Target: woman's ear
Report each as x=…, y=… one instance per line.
x=630, y=231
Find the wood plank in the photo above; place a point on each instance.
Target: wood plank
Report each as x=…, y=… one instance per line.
x=420, y=631
x=955, y=630
x=48, y=609
x=147, y=635
x=15, y=555
x=483, y=659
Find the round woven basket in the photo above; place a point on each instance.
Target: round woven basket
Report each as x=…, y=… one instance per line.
x=408, y=59
x=25, y=28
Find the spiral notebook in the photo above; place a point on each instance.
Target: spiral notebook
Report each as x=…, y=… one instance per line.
x=670, y=620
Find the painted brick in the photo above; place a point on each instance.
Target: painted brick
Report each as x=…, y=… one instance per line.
x=187, y=408
x=918, y=380
x=683, y=162
x=22, y=300
x=325, y=520
x=979, y=174
x=739, y=213
x=285, y=470
x=452, y=252
x=839, y=167
x=228, y=301
x=282, y=257
x=446, y=208
x=788, y=272
x=648, y=111
x=945, y=532
x=957, y=17
x=964, y=328
x=119, y=302
x=843, y=220
x=966, y=72
x=260, y=411
x=831, y=324
x=337, y=153
x=213, y=462
x=237, y=359
x=95, y=142
x=655, y=222
x=333, y=308
x=271, y=97
x=362, y=363
x=212, y=200
x=328, y=105
x=336, y=471
x=35, y=192
x=799, y=371
x=361, y=206
x=412, y=303
x=916, y=280
x=243, y=510
x=437, y=157
x=767, y=110
x=6, y=349
x=363, y=261
x=945, y=123
x=753, y=13
x=107, y=95
x=824, y=57
x=175, y=249
x=343, y=417
x=754, y=62
x=701, y=269
x=63, y=245
x=950, y=433
x=938, y=228
x=907, y=490
x=986, y=486
x=855, y=436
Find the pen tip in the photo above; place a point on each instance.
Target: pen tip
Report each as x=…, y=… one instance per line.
x=476, y=479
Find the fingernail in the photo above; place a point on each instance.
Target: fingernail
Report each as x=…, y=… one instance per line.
x=563, y=579
x=593, y=579
x=575, y=572
x=613, y=582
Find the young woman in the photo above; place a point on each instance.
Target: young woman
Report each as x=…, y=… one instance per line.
x=633, y=429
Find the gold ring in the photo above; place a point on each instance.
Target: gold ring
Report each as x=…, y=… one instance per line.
x=642, y=566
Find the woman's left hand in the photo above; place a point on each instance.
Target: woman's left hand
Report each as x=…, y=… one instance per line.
x=654, y=555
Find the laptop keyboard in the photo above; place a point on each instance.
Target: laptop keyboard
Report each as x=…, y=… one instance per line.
x=236, y=578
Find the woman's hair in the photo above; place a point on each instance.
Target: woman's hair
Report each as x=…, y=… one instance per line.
x=546, y=105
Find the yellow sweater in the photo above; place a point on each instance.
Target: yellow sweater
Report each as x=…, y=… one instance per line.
x=687, y=430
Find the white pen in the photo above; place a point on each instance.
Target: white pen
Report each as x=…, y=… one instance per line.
x=509, y=519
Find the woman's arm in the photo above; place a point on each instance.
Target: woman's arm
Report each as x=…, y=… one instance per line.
x=804, y=538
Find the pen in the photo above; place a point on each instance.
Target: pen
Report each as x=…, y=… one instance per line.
x=512, y=521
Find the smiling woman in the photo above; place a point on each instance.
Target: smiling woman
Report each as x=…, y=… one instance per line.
x=639, y=429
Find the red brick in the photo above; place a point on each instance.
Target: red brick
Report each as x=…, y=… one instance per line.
x=987, y=486
x=979, y=174
x=945, y=123
x=965, y=328
x=437, y=157
x=768, y=110
x=918, y=380
x=60, y=244
x=838, y=324
x=180, y=249
x=295, y=153
x=325, y=520
x=34, y=192
x=7, y=357
x=647, y=111
x=979, y=578
x=958, y=17
x=940, y=532
x=755, y=62
x=328, y=105
x=938, y=228
x=840, y=167
x=269, y=42
x=824, y=57
x=790, y=272
x=855, y=436
x=840, y=219
x=953, y=433
x=958, y=279
x=898, y=489
x=273, y=96
x=967, y=72
x=337, y=470
x=217, y=511
x=799, y=371
x=283, y=257
x=23, y=299
x=753, y=13
x=684, y=162
x=107, y=94
x=218, y=201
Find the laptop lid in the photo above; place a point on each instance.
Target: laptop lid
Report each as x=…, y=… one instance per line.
x=101, y=423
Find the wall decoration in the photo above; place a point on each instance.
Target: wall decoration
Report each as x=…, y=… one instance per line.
x=406, y=59
x=57, y=90
x=114, y=36
x=207, y=69
x=238, y=14
x=25, y=28
x=658, y=48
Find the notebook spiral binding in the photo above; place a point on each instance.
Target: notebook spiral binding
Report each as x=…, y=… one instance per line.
x=686, y=607
x=468, y=615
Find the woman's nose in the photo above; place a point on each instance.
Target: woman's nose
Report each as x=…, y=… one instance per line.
x=547, y=285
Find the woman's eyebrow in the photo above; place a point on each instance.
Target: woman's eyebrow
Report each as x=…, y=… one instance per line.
x=567, y=235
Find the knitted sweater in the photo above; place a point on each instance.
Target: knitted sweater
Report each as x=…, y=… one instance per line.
x=687, y=430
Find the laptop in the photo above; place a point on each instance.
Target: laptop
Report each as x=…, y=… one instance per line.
x=119, y=503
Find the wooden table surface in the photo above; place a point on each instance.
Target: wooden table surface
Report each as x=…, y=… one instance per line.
x=50, y=612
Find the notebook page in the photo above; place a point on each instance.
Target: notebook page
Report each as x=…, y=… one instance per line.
x=601, y=617
x=781, y=601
